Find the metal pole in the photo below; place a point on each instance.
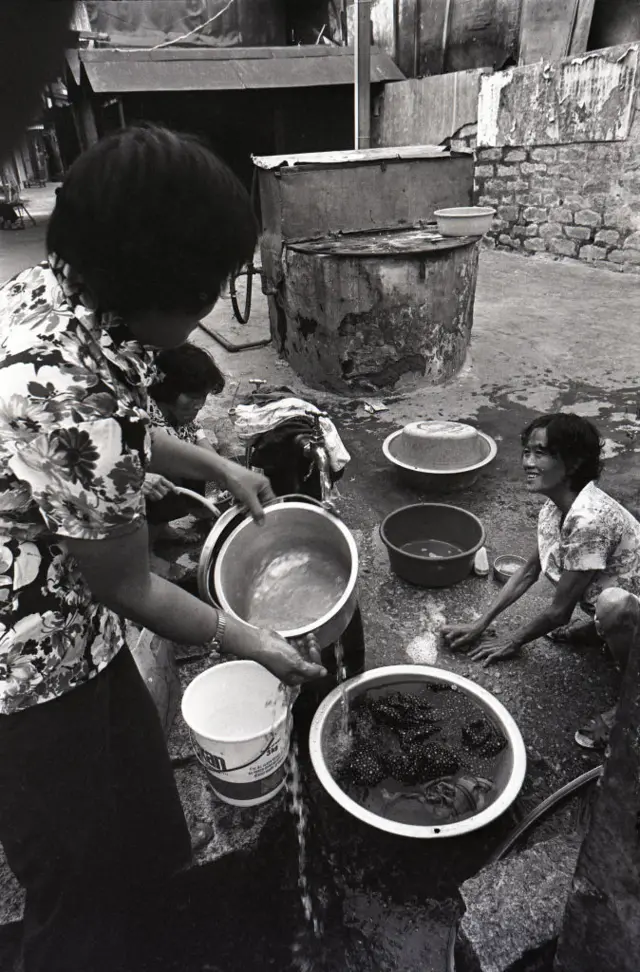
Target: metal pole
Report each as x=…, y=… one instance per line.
x=362, y=51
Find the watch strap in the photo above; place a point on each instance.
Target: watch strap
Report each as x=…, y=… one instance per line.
x=217, y=642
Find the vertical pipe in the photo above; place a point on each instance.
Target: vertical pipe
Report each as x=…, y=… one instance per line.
x=362, y=59
x=121, y=118
x=445, y=35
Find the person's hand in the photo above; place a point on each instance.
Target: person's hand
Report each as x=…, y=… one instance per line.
x=495, y=652
x=249, y=488
x=459, y=637
x=156, y=487
x=293, y=665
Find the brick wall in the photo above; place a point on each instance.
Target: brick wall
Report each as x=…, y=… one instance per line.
x=579, y=201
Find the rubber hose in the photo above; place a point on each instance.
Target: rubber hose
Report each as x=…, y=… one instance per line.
x=567, y=790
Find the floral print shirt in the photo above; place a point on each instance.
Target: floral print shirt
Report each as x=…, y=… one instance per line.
x=74, y=444
x=598, y=534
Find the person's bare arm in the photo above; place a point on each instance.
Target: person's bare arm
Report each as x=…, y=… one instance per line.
x=175, y=459
x=570, y=589
x=205, y=444
x=117, y=571
x=463, y=635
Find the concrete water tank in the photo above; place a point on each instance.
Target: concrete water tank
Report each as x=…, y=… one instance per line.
x=373, y=311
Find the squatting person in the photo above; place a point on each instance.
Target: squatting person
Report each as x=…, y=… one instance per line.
x=588, y=547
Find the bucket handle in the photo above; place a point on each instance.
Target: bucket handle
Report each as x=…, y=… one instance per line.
x=197, y=748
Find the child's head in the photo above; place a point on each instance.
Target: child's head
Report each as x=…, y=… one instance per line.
x=188, y=374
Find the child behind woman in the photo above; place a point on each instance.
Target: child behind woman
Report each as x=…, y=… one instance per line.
x=187, y=375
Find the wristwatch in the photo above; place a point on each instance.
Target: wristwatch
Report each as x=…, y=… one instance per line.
x=216, y=643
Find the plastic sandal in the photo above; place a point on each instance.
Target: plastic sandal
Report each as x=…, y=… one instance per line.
x=595, y=735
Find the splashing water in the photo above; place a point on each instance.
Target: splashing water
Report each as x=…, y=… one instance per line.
x=341, y=675
x=304, y=954
x=301, y=949
x=298, y=810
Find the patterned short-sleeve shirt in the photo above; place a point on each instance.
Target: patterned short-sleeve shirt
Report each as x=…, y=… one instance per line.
x=73, y=448
x=597, y=534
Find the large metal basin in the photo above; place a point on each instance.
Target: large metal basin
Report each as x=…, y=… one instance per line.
x=510, y=777
x=289, y=527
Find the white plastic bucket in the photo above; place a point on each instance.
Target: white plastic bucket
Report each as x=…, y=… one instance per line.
x=238, y=716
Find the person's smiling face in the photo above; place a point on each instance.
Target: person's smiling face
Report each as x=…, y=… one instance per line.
x=544, y=473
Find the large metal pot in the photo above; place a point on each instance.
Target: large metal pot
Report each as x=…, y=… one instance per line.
x=237, y=549
x=327, y=719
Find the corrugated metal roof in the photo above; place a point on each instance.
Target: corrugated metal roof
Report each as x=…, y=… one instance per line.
x=113, y=72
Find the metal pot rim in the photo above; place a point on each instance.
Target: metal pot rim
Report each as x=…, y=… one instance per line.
x=493, y=450
x=318, y=511
x=393, y=674
x=209, y=548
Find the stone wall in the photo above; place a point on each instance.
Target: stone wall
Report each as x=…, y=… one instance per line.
x=558, y=156
x=580, y=200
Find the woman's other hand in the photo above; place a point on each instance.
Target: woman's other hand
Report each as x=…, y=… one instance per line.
x=156, y=487
x=488, y=654
x=459, y=637
x=249, y=488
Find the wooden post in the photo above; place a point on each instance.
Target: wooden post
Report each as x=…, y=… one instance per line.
x=362, y=51
x=88, y=128
x=601, y=930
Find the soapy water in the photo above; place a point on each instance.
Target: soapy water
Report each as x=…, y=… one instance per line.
x=295, y=589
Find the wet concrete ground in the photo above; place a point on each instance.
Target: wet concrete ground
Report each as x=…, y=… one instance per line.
x=547, y=336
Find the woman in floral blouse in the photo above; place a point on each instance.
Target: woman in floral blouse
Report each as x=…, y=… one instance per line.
x=588, y=544
x=90, y=819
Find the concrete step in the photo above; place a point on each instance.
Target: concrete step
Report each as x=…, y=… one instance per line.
x=514, y=909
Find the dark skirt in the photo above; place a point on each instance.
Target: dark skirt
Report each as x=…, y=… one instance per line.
x=90, y=820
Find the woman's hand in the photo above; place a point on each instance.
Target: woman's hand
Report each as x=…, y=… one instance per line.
x=249, y=488
x=488, y=654
x=156, y=487
x=292, y=665
x=458, y=637
x=184, y=460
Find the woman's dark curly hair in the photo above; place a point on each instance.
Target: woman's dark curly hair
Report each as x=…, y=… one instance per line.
x=152, y=220
x=573, y=439
x=187, y=370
